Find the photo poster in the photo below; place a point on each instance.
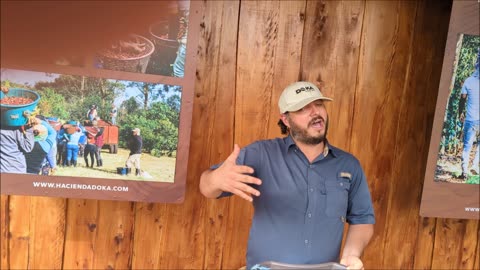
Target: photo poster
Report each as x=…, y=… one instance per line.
x=112, y=125
x=452, y=180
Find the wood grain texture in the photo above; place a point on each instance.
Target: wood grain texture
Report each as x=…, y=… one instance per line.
x=19, y=231
x=455, y=244
x=385, y=48
x=214, y=111
x=47, y=229
x=288, y=53
x=114, y=235
x=477, y=252
x=81, y=234
x=331, y=49
x=4, y=232
x=257, y=40
x=150, y=228
x=413, y=132
x=423, y=251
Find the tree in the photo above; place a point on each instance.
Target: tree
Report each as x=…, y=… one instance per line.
x=51, y=104
x=81, y=92
x=158, y=125
x=149, y=92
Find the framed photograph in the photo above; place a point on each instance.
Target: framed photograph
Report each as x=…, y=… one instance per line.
x=110, y=122
x=452, y=179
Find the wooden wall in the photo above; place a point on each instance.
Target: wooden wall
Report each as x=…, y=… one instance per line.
x=381, y=62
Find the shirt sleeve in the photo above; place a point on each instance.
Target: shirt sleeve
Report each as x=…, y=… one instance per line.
x=465, y=86
x=25, y=141
x=360, y=208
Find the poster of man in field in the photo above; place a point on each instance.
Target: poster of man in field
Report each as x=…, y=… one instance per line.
x=64, y=123
x=458, y=157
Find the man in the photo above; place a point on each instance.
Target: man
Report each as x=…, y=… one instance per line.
x=92, y=113
x=135, y=145
x=303, y=189
x=470, y=94
x=113, y=114
x=16, y=142
x=45, y=138
x=99, y=143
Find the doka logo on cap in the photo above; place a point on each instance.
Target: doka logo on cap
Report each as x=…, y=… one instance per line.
x=304, y=89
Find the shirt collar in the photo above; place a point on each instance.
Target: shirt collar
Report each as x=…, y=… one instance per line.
x=289, y=142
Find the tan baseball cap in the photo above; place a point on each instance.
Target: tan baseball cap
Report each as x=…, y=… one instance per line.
x=297, y=95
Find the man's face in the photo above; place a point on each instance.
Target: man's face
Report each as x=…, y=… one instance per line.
x=308, y=125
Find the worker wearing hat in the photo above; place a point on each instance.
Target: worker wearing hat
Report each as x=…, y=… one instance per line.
x=135, y=144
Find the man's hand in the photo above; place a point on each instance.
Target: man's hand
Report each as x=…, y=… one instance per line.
x=352, y=262
x=230, y=177
x=32, y=121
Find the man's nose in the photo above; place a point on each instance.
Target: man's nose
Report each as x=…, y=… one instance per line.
x=315, y=110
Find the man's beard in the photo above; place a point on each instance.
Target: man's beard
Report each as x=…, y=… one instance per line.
x=302, y=136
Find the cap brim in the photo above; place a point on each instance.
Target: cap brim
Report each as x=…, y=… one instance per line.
x=304, y=103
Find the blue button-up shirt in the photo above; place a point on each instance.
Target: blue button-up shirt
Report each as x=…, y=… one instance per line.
x=300, y=214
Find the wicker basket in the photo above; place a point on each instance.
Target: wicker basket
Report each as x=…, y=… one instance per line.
x=130, y=64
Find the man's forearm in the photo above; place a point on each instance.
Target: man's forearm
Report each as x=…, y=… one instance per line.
x=358, y=237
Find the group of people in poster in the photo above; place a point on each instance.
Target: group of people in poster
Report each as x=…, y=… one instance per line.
x=37, y=147
x=42, y=144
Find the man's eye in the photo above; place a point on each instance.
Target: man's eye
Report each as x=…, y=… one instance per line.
x=302, y=110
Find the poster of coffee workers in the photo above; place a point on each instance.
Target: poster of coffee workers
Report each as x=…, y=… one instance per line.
x=78, y=126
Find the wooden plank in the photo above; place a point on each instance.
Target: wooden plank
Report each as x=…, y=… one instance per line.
x=414, y=126
x=477, y=257
x=288, y=54
x=455, y=244
x=81, y=233
x=215, y=90
x=424, y=247
x=385, y=48
x=19, y=231
x=4, y=232
x=47, y=232
x=331, y=48
x=468, y=250
x=257, y=42
x=149, y=235
x=114, y=233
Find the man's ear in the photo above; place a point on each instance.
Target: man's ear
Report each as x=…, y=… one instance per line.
x=284, y=118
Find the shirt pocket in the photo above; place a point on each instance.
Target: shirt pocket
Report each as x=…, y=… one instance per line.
x=337, y=197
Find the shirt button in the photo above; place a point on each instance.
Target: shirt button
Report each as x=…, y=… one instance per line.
x=311, y=189
x=309, y=215
x=341, y=184
x=306, y=241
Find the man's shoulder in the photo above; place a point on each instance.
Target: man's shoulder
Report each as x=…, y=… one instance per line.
x=472, y=81
x=341, y=153
x=275, y=142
